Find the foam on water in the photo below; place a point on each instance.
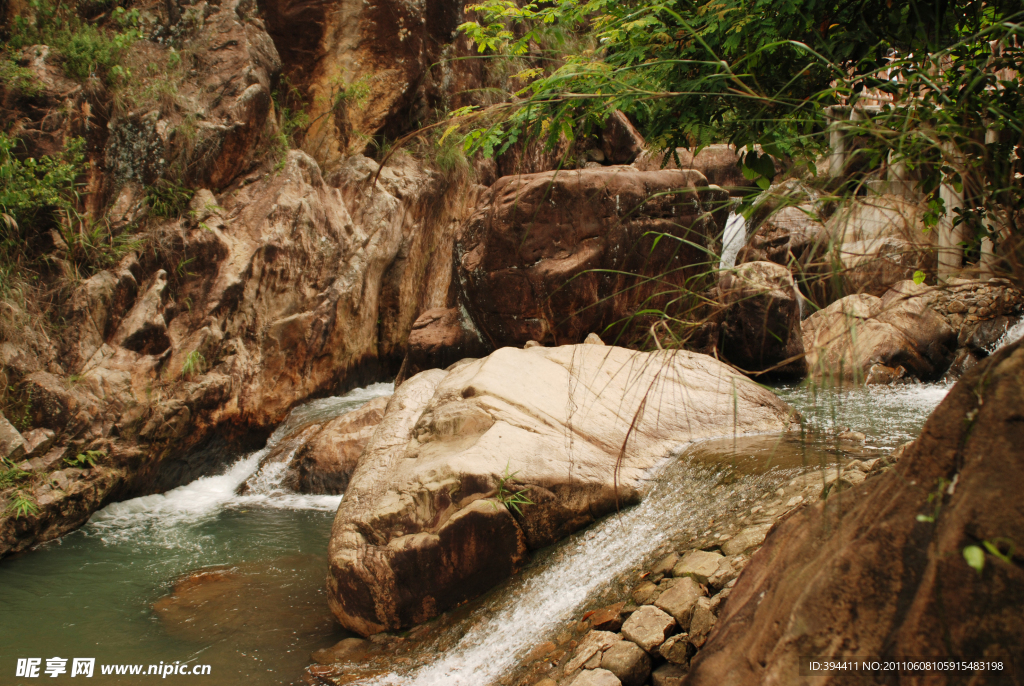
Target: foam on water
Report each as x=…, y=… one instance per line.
x=171, y=518
x=1012, y=335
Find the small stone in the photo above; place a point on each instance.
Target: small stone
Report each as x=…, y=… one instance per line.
x=596, y=677
x=665, y=565
x=680, y=600
x=668, y=675
x=699, y=564
x=541, y=651
x=608, y=618
x=702, y=623
x=854, y=436
x=728, y=569
x=628, y=662
x=956, y=307
x=674, y=649
x=794, y=501
x=546, y=682
x=718, y=600
x=648, y=627
x=592, y=339
x=531, y=344
x=646, y=593
x=594, y=642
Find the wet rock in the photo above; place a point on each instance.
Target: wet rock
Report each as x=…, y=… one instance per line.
x=675, y=649
x=668, y=675
x=628, y=662
x=760, y=327
x=889, y=560
x=324, y=463
x=423, y=525
x=596, y=677
x=680, y=600
x=880, y=374
x=347, y=650
x=592, y=644
x=552, y=257
x=648, y=627
x=699, y=564
x=12, y=445
x=665, y=565
x=646, y=593
x=608, y=618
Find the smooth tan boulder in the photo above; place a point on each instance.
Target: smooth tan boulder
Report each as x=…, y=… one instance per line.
x=423, y=528
x=846, y=339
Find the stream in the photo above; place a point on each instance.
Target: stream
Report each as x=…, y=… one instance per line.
x=201, y=575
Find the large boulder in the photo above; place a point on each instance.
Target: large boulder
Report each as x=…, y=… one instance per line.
x=882, y=570
x=760, y=328
x=844, y=340
x=719, y=163
x=552, y=257
x=436, y=512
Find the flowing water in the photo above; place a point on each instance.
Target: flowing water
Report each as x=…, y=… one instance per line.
x=198, y=575
x=733, y=240
x=205, y=576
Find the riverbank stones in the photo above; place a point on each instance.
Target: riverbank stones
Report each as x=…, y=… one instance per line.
x=648, y=627
x=596, y=677
x=627, y=661
x=700, y=565
x=680, y=600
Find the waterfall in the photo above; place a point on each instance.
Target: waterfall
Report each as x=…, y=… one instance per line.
x=1012, y=335
x=540, y=601
x=733, y=239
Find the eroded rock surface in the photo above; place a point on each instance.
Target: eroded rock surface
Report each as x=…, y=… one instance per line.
x=430, y=517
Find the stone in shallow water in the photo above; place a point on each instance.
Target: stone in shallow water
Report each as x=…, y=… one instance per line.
x=628, y=662
x=648, y=627
x=608, y=618
x=347, y=650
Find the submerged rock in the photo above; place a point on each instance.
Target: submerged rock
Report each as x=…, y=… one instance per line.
x=473, y=467
x=887, y=568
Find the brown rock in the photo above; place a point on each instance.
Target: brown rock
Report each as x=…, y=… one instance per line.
x=621, y=143
x=595, y=677
x=441, y=337
x=702, y=623
x=648, y=627
x=668, y=675
x=325, y=462
x=719, y=163
x=675, y=649
x=760, y=327
x=680, y=600
x=12, y=445
x=592, y=644
x=862, y=570
x=628, y=662
x=699, y=564
x=846, y=338
x=527, y=257
x=608, y=618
